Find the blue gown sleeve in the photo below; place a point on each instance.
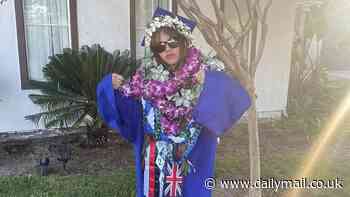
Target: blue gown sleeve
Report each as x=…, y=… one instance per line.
x=121, y=113
x=222, y=102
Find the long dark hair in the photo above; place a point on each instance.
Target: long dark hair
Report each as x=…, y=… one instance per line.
x=184, y=44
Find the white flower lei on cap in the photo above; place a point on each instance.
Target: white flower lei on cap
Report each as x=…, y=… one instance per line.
x=167, y=21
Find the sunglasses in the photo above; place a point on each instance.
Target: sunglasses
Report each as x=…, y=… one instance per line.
x=161, y=47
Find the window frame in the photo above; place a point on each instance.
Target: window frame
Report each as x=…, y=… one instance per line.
x=26, y=82
x=174, y=7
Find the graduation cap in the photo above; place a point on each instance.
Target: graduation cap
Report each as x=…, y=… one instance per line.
x=159, y=12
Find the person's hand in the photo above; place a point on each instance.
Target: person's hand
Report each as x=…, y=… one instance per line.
x=117, y=80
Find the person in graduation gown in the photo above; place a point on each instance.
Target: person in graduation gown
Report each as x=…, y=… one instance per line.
x=172, y=110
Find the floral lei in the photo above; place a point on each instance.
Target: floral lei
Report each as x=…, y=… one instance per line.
x=167, y=21
x=169, y=94
x=173, y=97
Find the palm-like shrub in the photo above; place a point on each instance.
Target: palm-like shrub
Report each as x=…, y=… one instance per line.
x=68, y=96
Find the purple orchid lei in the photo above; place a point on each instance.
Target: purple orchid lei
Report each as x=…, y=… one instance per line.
x=158, y=92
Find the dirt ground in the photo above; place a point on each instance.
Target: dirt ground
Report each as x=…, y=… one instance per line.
x=97, y=160
x=116, y=154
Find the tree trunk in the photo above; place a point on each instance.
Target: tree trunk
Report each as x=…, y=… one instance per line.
x=254, y=148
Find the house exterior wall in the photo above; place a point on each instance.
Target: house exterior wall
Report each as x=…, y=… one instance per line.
x=107, y=24
x=272, y=76
x=336, y=44
x=14, y=103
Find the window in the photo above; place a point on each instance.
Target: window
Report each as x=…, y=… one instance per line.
x=44, y=28
x=140, y=17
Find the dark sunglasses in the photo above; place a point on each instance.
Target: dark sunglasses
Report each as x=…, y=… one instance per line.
x=172, y=43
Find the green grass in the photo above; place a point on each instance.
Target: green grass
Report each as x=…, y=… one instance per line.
x=228, y=166
x=285, y=162
x=230, y=162
x=280, y=166
x=119, y=183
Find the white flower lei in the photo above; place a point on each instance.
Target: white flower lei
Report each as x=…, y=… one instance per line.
x=167, y=21
x=154, y=71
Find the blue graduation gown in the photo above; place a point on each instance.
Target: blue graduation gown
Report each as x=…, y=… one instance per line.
x=221, y=104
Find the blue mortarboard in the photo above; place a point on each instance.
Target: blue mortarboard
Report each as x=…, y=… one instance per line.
x=162, y=12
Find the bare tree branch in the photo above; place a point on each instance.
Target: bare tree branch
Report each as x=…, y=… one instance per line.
x=248, y=4
x=258, y=10
x=219, y=32
x=262, y=42
x=238, y=14
x=266, y=9
x=205, y=26
x=260, y=50
x=195, y=8
x=217, y=10
x=220, y=16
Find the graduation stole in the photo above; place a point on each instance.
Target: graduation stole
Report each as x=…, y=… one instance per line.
x=165, y=165
x=168, y=100
x=152, y=126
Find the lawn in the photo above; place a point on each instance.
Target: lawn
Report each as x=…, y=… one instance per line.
x=282, y=151
x=282, y=154
x=119, y=183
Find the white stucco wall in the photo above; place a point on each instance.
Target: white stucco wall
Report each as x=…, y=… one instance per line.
x=14, y=103
x=107, y=24
x=272, y=75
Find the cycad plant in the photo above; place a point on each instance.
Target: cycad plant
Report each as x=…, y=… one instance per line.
x=68, y=96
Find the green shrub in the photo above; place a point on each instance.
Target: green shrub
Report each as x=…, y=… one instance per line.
x=69, y=93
